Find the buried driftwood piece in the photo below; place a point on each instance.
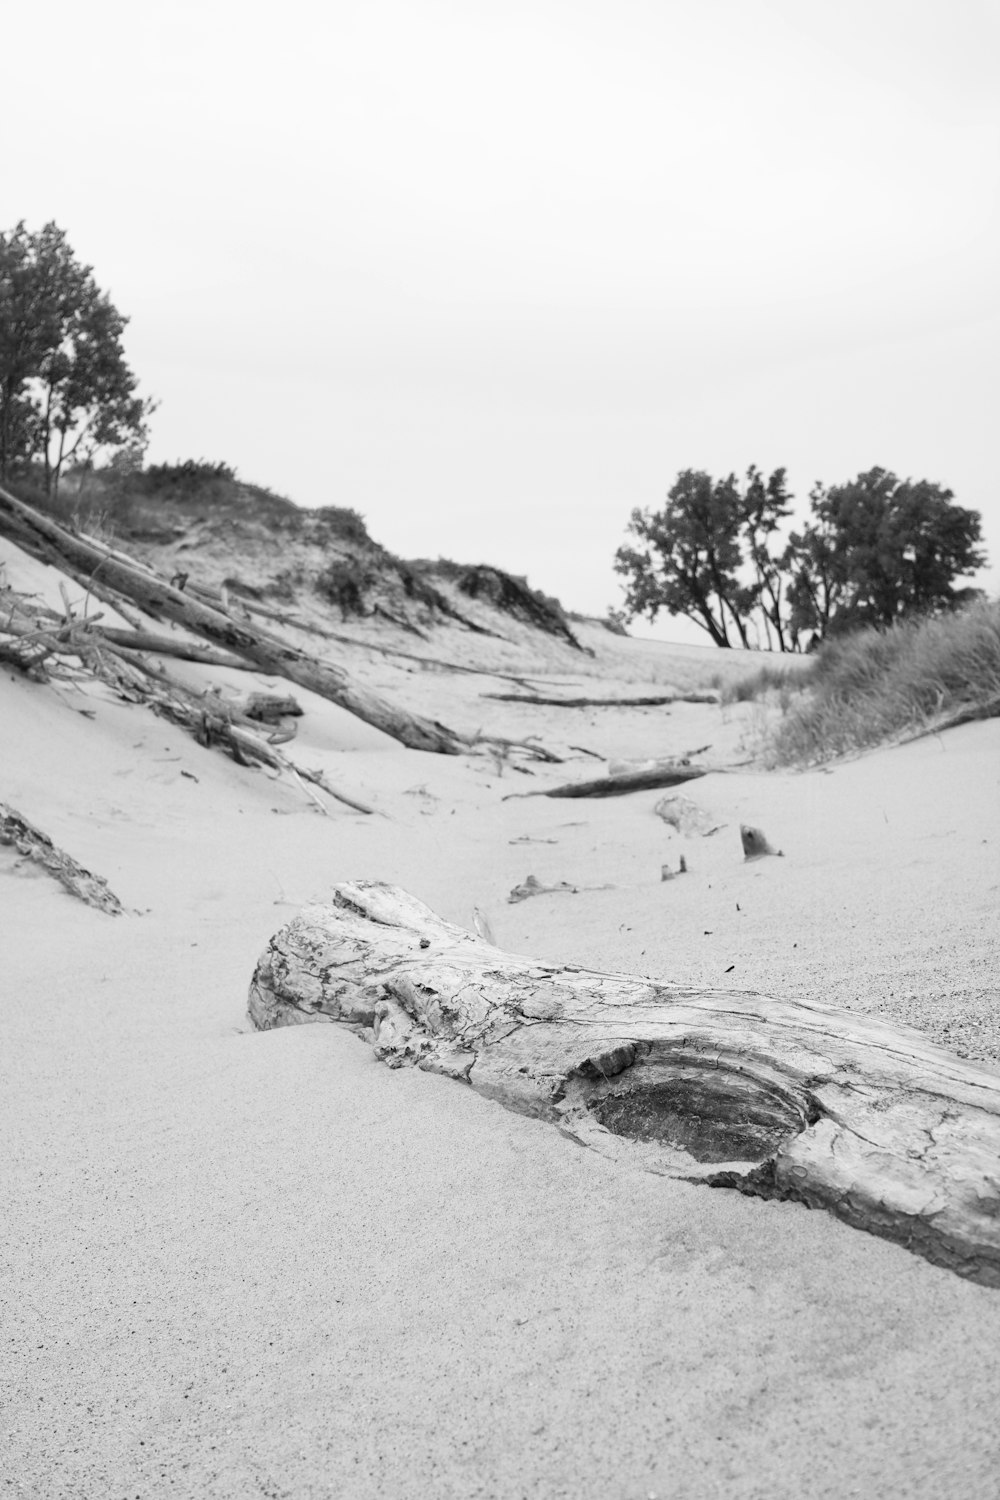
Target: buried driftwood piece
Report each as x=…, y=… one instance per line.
x=35, y=845
x=686, y=816
x=532, y=886
x=45, y=538
x=271, y=708
x=755, y=843
x=665, y=774
x=780, y=1099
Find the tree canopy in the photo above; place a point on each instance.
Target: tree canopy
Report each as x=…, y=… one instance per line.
x=66, y=390
x=873, y=550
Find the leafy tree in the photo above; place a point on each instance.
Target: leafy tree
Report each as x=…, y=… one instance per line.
x=691, y=559
x=874, y=549
x=878, y=548
x=66, y=391
x=765, y=507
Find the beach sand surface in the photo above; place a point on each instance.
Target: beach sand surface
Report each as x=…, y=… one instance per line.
x=243, y=1264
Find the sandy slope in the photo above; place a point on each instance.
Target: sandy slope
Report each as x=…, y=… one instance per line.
x=243, y=1264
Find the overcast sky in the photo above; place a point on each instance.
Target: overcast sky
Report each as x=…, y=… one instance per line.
x=492, y=272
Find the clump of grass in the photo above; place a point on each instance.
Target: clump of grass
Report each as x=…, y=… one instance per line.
x=876, y=686
x=780, y=676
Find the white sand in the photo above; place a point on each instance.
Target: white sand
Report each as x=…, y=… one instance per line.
x=265, y=1265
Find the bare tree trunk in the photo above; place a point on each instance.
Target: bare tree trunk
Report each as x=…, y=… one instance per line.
x=267, y=652
x=778, y=1099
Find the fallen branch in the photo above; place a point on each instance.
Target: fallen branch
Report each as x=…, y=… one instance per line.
x=532, y=886
x=168, y=645
x=660, y=702
x=35, y=845
x=953, y=718
x=779, y=1099
x=614, y=786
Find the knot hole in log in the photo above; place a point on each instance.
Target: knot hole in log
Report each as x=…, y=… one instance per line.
x=713, y=1110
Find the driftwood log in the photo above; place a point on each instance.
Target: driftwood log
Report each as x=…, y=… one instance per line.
x=654, y=702
x=168, y=645
x=31, y=843
x=664, y=774
x=778, y=1099
x=38, y=533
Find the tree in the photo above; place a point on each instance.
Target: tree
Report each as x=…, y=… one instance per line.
x=879, y=548
x=66, y=391
x=707, y=555
x=874, y=550
x=765, y=508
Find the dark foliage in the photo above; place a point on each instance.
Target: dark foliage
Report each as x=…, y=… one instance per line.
x=876, y=550
x=66, y=391
x=344, y=582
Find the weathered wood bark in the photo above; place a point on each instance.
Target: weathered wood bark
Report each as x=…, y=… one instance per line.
x=776, y=1098
x=168, y=645
x=266, y=651
x=616, y=786
x=35, y=845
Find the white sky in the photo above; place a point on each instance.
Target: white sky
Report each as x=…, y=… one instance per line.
x=492, y=272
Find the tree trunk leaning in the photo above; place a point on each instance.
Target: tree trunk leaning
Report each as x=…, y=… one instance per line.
x=779, y=1099
x=269, y=653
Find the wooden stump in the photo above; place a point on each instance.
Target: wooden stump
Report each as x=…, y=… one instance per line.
x=778, y=1099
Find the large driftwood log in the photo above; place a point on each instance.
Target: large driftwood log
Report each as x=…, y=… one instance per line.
x=779, y=1099
x=266, y=651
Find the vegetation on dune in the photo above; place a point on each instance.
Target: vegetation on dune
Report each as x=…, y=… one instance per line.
x=66, y=390
x=506, y=591
x=876, y=686
x=778, y=676
x=875, y=550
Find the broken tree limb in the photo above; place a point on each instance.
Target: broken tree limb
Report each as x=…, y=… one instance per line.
x=169, y=645
x=266, y=651
x=35, y=845
x=779, y=1099
x=656, y=702
x=615, y=786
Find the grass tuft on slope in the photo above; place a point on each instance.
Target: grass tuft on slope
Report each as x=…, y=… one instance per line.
x=878, y=686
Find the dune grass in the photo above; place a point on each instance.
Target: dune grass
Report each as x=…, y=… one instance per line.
x=785, y=675
x=878, y=686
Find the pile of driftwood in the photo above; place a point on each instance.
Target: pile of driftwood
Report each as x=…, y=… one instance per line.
x=112, y=577
x=42, y=643
x=35, y=639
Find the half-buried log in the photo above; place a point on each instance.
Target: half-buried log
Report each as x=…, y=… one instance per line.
x=45, y=538
x=31, y=843
x=778, y=1099
x=665, y=773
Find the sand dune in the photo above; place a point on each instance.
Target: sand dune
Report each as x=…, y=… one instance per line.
x=248, y=1264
